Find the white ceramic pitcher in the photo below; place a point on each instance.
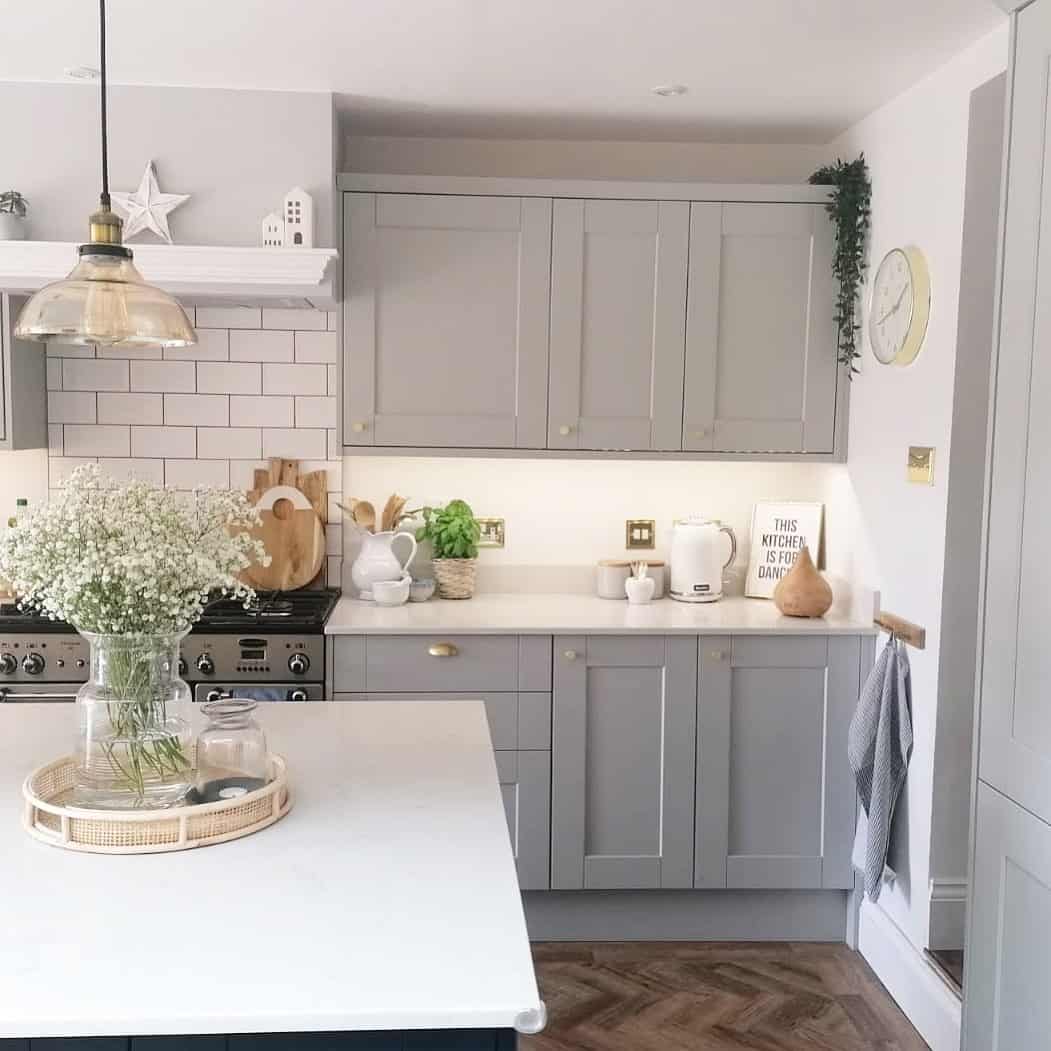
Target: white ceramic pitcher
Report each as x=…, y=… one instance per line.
x=377, y=561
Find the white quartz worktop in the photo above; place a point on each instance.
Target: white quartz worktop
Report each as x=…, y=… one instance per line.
x=387, y=899
x=580, y=614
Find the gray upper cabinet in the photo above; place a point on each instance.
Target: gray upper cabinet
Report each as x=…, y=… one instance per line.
x=618, y=324
x=761, y=369
x=446, y=320
x=775, y=795
x=623, y=727
x=23, y=372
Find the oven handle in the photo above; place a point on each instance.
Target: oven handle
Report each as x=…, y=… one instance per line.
x=6, y=694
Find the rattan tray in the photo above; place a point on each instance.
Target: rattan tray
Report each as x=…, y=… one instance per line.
x=50, y=818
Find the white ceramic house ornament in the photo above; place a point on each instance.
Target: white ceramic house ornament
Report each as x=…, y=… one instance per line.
x=273, y=231
x=299, y=219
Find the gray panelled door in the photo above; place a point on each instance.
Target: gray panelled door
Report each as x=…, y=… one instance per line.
x=775, y=796
x=623, y=762
x=618, y=324
x=761, y=368
x=525, y=784
x=446, y=320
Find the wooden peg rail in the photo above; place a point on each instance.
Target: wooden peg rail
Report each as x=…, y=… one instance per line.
x=902, y=629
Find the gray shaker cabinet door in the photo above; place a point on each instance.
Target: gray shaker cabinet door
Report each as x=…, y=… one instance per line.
x=775, y=795
x=1015, y=754
x=1008, y=960
x=525, y=785
x=618, y=324
x=623, y=762
x=761, y=368
x=446, y=320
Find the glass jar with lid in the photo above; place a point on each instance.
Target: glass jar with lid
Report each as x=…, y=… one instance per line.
x=232, y=756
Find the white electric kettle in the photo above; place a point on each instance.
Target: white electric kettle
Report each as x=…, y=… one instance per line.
x=698, y=558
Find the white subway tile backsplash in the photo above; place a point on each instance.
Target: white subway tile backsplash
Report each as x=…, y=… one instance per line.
x=190, y=410
x=334, y=538
x=213, y=344
x=126, y=469
x=68, y=350
x=242, y=473
x=319, y=347
x=130, y=408
x=295, y=379
x=240, y=443
x=54, y=373
x=334, y=512
x=71, y=406
x=248, y=411
x=231, y=378
x=189, y=474
x=95, y=440
x=261, y=345
x=85, y=374
x=316, y=412
x=55, y=444
x=293, y=443
x=294, y=319
x=229, y=317
x=164, y=376
x=334, y=451
x=59, y=468
x=333, y=381
x=335, y=572
x=333, y=320
x=129, y=353
x=333, y=471
x=164, y=442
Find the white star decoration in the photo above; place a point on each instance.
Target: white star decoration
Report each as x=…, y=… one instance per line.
x=147, y=208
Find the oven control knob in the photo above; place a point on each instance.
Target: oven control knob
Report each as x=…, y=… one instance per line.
x=32, y=664
x=205, y=664
x=8, y=664
x=298, y=696
x=299, y=664
x=183, y=667
x=81, y=663
x=215, y=695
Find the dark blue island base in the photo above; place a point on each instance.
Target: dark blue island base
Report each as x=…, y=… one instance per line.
x=416, y=1040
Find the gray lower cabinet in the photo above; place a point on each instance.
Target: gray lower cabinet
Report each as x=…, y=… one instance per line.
x=623, y=730
x=775, y=794
x=525, y=785
x=761, y=368
x=23, y=397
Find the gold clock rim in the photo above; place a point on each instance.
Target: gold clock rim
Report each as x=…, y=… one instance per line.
x=921, y=307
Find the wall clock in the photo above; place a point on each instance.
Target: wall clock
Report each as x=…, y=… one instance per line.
x=900, y=306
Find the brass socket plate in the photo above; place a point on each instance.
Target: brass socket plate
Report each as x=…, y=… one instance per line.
x=493, y=532
x=640, y=534
x=920, y=469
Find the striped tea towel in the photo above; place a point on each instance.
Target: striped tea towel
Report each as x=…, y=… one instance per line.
x=879, y=746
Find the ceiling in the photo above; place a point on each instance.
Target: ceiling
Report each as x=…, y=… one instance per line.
x=757, y=70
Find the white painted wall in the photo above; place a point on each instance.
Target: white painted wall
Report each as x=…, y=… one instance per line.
x=236, y=152
x=895, y=533
x=21, y=474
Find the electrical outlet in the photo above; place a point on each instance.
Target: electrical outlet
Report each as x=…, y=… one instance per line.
x=920, y=468
x=492, y=532
x=640, y=534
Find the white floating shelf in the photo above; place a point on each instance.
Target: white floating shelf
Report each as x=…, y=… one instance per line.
x=197, y=274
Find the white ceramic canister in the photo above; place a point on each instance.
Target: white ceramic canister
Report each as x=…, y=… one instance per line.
x=610, y=575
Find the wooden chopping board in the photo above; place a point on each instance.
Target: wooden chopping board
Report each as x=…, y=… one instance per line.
x=293, y=508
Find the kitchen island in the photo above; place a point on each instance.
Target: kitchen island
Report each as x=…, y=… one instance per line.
x=382, y=914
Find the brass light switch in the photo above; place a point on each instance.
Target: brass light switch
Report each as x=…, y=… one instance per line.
x=492, y=532
x=640, y=534
x=920, y=470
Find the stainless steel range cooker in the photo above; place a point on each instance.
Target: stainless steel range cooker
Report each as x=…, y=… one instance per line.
x=273, y=651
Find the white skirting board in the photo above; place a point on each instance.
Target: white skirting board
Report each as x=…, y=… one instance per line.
x=922, y=994
x=948, y=913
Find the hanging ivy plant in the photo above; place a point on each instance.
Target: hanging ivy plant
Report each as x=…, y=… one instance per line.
x=849, y=205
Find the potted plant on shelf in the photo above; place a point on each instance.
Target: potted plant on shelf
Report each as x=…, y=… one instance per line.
x=131, y=567
x=454, y=533
x=13, y=209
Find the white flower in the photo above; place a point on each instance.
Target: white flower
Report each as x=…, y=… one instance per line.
x=130, y=559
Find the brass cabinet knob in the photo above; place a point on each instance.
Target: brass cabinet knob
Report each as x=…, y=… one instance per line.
x=718, y=655
x=359, y=426
x=442, y=649
x=565, y=429
x=570, y=655
x=700, y=434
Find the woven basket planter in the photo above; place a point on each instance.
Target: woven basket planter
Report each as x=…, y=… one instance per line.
x=455, y=577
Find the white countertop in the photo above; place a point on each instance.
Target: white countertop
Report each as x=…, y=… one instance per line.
x=387, y=899
x=525, y=614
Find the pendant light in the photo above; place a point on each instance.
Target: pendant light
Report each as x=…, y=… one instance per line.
x=105, y=300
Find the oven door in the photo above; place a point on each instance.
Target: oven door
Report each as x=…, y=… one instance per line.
x=264, y=692
x=39, y=692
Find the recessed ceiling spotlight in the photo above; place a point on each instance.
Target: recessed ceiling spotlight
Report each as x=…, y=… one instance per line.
x=81, y=72
x=670, y=90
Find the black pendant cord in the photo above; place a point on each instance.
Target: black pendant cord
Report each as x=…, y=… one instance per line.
x=102, y=77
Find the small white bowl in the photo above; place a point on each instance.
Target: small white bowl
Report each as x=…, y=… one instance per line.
x=391, y=592
x=421, y=590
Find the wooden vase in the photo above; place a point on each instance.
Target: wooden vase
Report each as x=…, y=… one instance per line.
x=803, y=591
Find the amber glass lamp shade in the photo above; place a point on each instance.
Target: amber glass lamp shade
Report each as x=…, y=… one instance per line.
x=105, y=301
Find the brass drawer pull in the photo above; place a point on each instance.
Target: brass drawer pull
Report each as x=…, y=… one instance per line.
x=442, y=649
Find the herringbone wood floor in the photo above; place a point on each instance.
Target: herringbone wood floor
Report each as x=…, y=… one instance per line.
x=714, y=997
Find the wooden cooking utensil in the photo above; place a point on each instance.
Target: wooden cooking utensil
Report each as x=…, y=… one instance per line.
x=365, y=515
x=294, y=538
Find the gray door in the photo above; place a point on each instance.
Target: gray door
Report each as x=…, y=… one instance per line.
x=446, y=320
x=1007, y=1006
x=525, y=784
x=775, y=795
x=618, y=324
x=761, y=371
x=623, y=762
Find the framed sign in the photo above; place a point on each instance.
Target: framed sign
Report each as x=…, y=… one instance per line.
x=779, y=533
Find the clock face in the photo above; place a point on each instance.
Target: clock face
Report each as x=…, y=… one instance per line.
x=900, y=307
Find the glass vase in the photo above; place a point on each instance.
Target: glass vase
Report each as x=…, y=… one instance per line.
x=134, y=746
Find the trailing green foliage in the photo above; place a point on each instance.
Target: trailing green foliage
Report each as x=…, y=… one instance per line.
x=13, y=202
x=849, y=205
x=452, y=530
